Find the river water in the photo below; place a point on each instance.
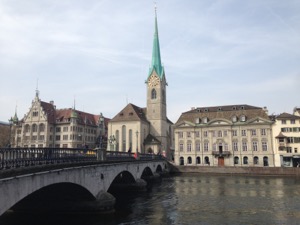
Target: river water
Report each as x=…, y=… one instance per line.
x=193, y=199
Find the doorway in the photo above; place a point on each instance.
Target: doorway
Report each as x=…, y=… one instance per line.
x=221, y=161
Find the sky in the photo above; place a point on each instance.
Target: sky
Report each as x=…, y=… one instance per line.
x=97, y=53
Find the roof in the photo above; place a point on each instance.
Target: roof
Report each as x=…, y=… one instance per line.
x=226, y=112
x=131, y=112
x=151, y=140
x=280, y=135
x=156, y=59
x=50, y=111
x=285, y=115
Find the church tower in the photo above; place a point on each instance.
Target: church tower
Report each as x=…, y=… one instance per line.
x=156, y=94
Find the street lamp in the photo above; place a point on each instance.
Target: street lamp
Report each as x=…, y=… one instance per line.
x=112, y=140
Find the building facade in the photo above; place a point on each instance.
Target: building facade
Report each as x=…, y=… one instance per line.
x=286, y=130
x=145, y=129
x=234, y=135
x=46, y=126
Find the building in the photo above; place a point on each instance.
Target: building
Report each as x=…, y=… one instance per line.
x=232, y=135
x=286, y=132
x=46, y=126
x=140, y=129
x=4, y=134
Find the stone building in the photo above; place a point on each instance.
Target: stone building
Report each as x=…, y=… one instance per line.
x=231, y=135
x=46, y=126
x=286, y=133
x=140, y=129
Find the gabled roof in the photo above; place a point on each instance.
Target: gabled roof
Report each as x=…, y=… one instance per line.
x=285, y=115
x=50, y=111
x=131, y=112
x=151, y=140
x=280, y=135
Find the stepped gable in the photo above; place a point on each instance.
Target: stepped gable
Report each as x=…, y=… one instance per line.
x=223, y=112
x=131, y=112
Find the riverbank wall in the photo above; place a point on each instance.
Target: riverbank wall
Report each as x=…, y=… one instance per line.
x=267, y=171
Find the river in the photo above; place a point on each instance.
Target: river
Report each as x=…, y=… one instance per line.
x=193, y=199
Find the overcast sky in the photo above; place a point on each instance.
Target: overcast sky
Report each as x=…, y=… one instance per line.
x=214, y=52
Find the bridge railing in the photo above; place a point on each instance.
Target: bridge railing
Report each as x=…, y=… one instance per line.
x=24, y=157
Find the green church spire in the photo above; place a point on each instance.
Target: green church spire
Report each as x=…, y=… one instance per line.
x=156, y=61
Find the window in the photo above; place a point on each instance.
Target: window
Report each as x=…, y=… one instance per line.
x=214, y=147
x=289, y=149
x=234, y=119
x=65, y=137
x=188, y=134
x=243, y=132
x=181, y=147
x=244, y=146
x=283, y=121
x=34, y=138
x=243, y=118
x=198, y=160
x=234, y=132
x=206, y=146
x=65, y=129
x=225, y=133
x=34, y=128
x=180, y=134
x=153, y=94
x=219, y=133
x=189, y=147
x=197, y=134
x=255, y=160
x=57, y=129
x=245, y=160
x=57, y=137
x=254, y=146
x=226, y=147
x=235, y=146
x=214, y=133
x=263, y=132
x=189, y=160
x=35, y=113
x=293, y=121
x=205, y=120
x=264, y=146
x=236, y=160
x=198, y=146
x=205, y=133
x=266, y=161
x=41, y=137
x=253, y=132
x=124, y=138
x=296, y=150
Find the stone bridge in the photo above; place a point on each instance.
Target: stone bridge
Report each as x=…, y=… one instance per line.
x=80, y=188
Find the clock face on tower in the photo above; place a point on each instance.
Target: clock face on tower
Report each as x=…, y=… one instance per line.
x=153, y=81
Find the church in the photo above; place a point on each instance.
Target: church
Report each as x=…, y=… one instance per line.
x=145, y=130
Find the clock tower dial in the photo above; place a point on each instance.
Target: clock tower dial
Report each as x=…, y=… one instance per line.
x=153, y=81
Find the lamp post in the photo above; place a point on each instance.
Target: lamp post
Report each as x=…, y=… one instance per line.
x=112, y=140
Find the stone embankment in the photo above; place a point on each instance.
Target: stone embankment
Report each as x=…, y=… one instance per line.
x=267, y=171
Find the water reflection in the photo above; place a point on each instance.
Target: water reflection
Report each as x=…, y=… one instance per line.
x=195, y=199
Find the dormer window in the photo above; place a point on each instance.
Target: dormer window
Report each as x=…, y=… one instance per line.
x=243, y=118
x=242, y=107
x=234, y=119
x=205, y=120
x=206, y=110
x=233, y=108
x=197, y=120
x=219, y=109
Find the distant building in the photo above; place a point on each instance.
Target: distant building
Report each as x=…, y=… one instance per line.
x=140, y=129
x=286, y=133
x=4, y=134
x=46, y=126
x=232, y=135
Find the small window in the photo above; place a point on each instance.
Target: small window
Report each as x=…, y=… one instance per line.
x=153, y=94
x=243, y=118
x=205, y=120
x=234, y=119
x=245, y=160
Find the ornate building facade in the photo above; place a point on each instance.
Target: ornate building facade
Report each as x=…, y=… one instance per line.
x=234, y=135
x=286, y=132
x=46, y=126
x=145, y=130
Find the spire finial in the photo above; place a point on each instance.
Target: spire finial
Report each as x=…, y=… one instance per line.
x=155, y=8
x=37, y=89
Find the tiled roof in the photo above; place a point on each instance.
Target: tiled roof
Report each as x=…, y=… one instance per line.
x=285, y=115
x=226, y=112
x=50, y=111
x=131, y=112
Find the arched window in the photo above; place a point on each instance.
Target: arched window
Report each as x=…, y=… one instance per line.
x=266, y=161
x=206, y=159
x=41, y=127
x=34, y=127
x=189, y=160
x=245, y=160
x=236, y=160
x=130, y=139
x=255, y=160
x=124, y=138
x=153, y=94
x=117, y=140
x=27, y=128
x=198, y=160
x=181, y=161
